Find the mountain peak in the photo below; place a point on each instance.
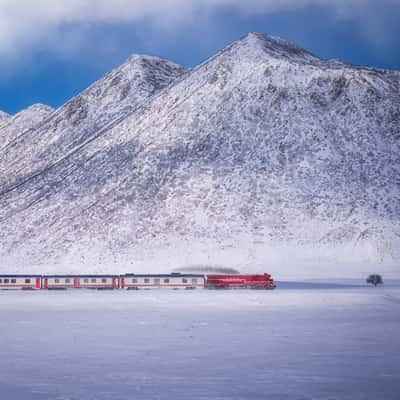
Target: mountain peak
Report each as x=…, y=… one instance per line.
x=27, y=113
x=138, y=71
x=140, y=58
x=3, y=115
x=40, y=107
x=275, y=46
x=32, y=114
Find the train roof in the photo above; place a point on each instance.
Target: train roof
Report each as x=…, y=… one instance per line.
x=98, y=275
x=81, y=276
x=174, y=274
x=20, y=276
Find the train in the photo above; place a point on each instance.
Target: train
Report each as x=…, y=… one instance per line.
x=131, y=281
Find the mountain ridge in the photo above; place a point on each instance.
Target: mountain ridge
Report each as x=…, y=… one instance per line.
x=114, y=96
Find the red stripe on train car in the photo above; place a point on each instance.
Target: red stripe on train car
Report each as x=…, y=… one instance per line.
x=95, y=285
x=56, y=285
x=163, y=285
x=17, y=285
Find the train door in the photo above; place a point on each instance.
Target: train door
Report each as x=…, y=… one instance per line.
x=114, y=282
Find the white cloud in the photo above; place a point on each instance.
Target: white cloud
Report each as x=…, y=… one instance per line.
x=26, y=24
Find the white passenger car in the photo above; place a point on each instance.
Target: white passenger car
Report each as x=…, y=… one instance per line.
x=27, y=282
x=80, y=281
x=168, y=281
x=97, y=281
x=58, y=281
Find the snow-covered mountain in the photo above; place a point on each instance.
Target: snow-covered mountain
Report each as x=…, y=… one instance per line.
x=262, y=157
x=85, y=116
x=14, y=126
x=3, y=115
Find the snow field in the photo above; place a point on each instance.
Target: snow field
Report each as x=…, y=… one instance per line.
x=338, y=343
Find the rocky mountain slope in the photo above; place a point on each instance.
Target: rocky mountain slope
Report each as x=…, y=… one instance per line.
x=14, y=126
x=262, y=157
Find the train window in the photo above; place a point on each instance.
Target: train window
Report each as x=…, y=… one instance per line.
x=27, y=281
x=157, y=280
x=1, y=281
x=13, y=281
x=86, y=280
x=6, y=280
x=166, y=280
x=134, y=280
x=194, y=280
x=146, y=280
x=68, y=280
x=104, y=280
x=56, y=281
x=93, y=280
x=184, y=280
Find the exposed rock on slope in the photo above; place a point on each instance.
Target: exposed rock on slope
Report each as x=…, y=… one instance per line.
x=264, y=155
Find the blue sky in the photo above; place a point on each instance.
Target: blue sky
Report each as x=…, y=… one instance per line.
x=49, y=52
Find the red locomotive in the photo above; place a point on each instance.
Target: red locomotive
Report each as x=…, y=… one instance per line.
x=264, y=281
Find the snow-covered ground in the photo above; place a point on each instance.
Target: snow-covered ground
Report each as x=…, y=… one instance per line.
x=300, y=342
